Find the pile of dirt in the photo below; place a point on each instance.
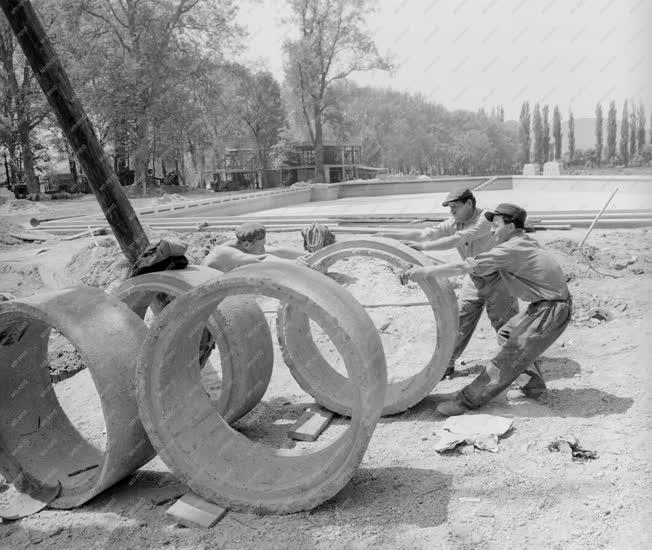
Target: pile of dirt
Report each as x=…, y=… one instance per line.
x=13, y=207
x=593, y=262
x=63, y=358
x=106, y=267
x=19, y=279
x=172, y=197
x=6, y=228
x=199, y=244
x=101, y=266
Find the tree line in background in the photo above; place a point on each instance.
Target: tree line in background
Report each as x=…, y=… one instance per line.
x=158, y=81
x=630, y=150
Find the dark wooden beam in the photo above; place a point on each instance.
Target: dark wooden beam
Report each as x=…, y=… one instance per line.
x=76, y=126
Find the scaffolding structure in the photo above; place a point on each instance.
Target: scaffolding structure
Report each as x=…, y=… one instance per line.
x=243, y=169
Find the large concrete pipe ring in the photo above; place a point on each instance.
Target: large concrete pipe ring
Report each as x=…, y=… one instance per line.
x=216, y=461
x=318, y=378
x=238, y=326
x=36, y=436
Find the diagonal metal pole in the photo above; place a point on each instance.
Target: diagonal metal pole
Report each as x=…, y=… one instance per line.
x=597, y=217
x=77, y=128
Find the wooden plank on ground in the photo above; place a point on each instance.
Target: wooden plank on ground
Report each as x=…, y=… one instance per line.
x=311, y=424
x=193, y=511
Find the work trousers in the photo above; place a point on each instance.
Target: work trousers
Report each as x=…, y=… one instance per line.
x=528, y=335
x=476, y=294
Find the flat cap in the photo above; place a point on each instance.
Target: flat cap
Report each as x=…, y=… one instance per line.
x=458, y=195
x=515, y=212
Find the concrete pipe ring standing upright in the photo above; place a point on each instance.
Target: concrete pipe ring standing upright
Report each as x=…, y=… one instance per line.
x=216, y=461
x=318, y=378
x=36, y=436
x=238, y=326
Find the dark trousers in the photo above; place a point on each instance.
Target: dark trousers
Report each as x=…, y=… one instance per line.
x=476, y=294
x=528, y=335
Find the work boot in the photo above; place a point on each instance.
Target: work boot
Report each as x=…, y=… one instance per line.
x=454, y=407
x=534, y=388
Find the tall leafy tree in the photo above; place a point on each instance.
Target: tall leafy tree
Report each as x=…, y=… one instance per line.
x=138, y=53
x=641, y=127
x=524, y=134
x=556, y=131
x=571, y=136
x=262, y=111
x=546, y=135
x=333, y=43
x=537, y=130
x=633, y=133
x=612, y=129
x=624, y=135
x=598, y=133
x=23, y=106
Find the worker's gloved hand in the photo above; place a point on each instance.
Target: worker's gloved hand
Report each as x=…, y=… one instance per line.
x=415, y=274
x=413, y=244
x=404, y=277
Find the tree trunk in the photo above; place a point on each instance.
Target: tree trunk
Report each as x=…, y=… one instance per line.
x=141, y=157
x=165, y=172
x=320, y=176
x=7, y=171
x=262, y=158
x=29, y=176
x=13, y=167
x=73, y=168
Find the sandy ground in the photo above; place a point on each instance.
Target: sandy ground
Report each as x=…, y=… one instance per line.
x=406, y=495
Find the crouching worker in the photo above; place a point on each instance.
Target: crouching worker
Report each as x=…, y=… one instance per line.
x=248, y=247
x=531, y=274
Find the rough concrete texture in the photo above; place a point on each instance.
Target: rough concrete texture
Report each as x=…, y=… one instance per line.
x=37, y=436
x=238, y=326
x=217, y=462
x=318, y=378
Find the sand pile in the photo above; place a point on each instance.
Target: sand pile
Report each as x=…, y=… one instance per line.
x=174, y=197
x=101, y=266
x=12, y=207
x=593, y=262
x=5, y=229
x=106, y=267
x=17, y=279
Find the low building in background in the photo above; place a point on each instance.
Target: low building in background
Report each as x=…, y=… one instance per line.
x=243, y=168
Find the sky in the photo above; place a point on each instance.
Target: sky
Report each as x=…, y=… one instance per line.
x=466, y=54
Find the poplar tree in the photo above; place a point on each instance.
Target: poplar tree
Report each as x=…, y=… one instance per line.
x=598, y=133
x=571, y=136
x=611, y=132
x=524, y=134
x=556, y=131
x=624, y=135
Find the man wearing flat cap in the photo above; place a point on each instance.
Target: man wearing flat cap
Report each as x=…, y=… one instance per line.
x=470, y=232
x=529, y=273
